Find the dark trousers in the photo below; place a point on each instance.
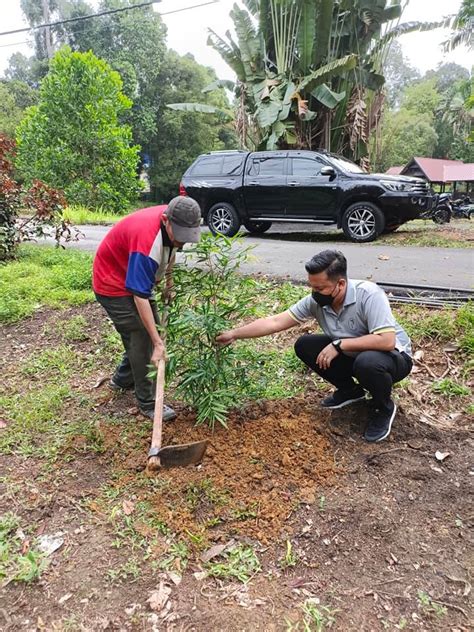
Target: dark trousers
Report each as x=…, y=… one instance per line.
x=133, y=369
x=376, y=371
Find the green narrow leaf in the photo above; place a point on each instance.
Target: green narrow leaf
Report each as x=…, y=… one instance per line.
x=196, y=107
x=407, y=27
x=324, y=28
x=305, y=37
x=219, y=83
x=229, y=55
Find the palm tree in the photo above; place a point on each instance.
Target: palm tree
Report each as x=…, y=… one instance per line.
x=463, y=25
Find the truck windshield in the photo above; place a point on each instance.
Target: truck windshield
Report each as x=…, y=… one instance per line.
x=346, y=165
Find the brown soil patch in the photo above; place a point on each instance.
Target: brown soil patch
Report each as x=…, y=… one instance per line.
x=272, y=457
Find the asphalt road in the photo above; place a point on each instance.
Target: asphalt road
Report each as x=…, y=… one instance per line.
x=283, y=251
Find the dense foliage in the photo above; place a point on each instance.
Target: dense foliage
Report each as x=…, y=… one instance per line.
x=133, y=43
x=73, y=138
x=309, y=72
x=432, y=117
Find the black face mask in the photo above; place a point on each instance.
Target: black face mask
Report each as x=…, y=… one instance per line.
x=323, y=299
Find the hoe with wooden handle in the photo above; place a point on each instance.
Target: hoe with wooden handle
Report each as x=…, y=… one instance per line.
x=170, y=455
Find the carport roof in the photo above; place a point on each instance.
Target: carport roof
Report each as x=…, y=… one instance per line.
x=394, y=171
x=433, y=168
x=459, y=173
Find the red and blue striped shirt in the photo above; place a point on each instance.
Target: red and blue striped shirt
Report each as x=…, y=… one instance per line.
x=133, y=255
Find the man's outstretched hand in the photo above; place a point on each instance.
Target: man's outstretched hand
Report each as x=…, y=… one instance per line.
x=225, y=338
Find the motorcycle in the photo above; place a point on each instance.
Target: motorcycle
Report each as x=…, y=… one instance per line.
x=441, y=211
x=463, y=209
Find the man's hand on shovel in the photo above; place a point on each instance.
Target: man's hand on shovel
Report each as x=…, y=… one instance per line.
x=159, y=353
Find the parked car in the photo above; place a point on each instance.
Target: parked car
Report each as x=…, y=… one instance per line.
x=258, y=188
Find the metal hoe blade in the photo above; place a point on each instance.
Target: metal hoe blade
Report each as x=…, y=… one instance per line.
x=181, y=454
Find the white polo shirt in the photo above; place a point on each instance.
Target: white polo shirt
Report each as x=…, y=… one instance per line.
x=366, y=310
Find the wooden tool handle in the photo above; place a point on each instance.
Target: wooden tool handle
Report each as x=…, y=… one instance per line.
x=156, y=437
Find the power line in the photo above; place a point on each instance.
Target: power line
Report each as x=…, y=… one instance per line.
x=82, y=17
x=194, y=6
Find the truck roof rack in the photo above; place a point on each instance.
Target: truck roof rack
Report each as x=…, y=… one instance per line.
x=228, y=151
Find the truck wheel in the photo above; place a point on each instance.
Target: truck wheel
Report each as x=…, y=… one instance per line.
x=257, y=227
x=362, y=222
x=223, y=219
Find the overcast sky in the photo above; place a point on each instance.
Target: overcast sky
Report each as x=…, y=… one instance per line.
x=187, y=32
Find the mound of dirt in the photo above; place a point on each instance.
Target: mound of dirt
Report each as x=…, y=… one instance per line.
x=272, y=457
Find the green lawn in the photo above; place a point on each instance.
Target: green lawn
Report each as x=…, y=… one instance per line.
x=43, y=276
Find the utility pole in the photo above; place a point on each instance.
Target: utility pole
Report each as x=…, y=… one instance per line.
x=47, y=30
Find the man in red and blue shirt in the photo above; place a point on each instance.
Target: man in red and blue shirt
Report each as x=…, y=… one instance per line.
x=132, y=257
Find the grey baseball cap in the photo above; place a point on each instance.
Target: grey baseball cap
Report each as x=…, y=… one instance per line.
x=184, y=214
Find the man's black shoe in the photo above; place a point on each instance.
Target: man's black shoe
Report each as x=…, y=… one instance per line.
x=168, y=413
x=342, y=398
x=118, y=388
x=381, y=424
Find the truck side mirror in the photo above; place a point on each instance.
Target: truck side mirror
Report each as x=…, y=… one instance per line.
x=328, y=171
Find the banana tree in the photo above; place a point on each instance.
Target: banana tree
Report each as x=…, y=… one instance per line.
x=309, y=72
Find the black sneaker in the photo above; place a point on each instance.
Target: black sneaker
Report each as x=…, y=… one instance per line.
x=340, y=398
x=118, y=388
x=381, y=424
x=168, y=413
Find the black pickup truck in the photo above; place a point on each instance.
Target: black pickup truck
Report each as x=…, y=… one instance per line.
x=258, y=188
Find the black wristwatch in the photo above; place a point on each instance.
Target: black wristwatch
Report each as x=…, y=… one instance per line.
x=337, y=345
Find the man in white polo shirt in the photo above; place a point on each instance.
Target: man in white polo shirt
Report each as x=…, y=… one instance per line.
x=360, y=339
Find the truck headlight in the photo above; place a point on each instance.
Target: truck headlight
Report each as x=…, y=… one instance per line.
x=397, y=186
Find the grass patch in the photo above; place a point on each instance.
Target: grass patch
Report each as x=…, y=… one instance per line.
x=316, y=617
x=429, y=606
x=44, y=276
x=439, y=325
x=37, y=427
x=53, y=363
x=240, y=562
x=17, y=562
x=80, y=215
x=449, y=388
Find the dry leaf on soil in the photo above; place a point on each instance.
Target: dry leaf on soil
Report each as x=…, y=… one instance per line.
x=128, y=507
x=215, y=551
x=158, y=598
x=100, y=381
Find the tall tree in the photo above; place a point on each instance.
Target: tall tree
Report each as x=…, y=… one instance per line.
x=182, y=136
x=398, y=73
x=133, y=42
x=463, y=27
x=73, y=138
